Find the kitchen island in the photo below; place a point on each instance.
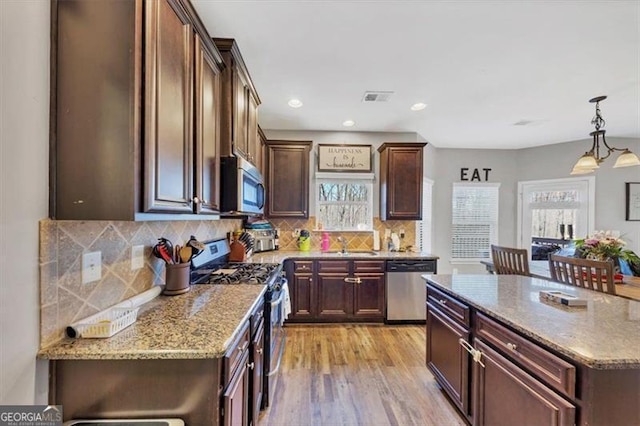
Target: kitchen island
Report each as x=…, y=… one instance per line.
x=174, y=361
x=502, y=352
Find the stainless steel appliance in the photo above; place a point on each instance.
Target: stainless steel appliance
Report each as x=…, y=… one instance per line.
x=263, y=239
x=212, y=266
x=242, y=187
x=406, y=290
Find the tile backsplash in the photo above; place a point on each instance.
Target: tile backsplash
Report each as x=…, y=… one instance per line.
x=63, y=297
x=355, y=240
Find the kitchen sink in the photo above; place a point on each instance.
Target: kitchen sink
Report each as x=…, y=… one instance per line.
x=354, y=253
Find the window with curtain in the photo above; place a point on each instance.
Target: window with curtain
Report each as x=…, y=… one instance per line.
x=474, y=221
x=344, y=204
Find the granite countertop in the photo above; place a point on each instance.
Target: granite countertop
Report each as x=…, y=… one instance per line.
x=197, y=324
x=279, y=256
x=603, y=335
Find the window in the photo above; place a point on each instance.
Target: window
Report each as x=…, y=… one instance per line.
x=474, y=221
x=344, y=203
x=555, y=209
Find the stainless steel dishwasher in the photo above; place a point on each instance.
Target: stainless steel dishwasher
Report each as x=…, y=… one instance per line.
x=406, y=290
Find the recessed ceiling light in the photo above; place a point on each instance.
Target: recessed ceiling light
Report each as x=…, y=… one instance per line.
x=419, y=106
x=348, y=123
x=295, y=103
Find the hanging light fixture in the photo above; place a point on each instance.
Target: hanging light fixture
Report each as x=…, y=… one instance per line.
x=591, y=160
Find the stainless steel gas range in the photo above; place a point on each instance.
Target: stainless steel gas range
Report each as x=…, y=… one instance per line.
x=212, y=266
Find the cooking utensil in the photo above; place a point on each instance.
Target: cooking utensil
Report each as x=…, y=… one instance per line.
x=167, y=244
x=196, y=245
x=161, y=251
x=185, y=254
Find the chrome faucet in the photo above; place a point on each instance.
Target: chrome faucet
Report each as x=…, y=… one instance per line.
x=343, y=241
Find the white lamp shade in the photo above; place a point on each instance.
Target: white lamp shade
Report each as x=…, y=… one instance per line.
x=586, y=164
x=627, y=159
x=577, y=171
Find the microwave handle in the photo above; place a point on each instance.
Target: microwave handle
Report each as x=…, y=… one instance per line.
x=263, y=195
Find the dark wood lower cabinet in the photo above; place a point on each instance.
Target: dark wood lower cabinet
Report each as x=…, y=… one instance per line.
x=368, y=296
x=335, y=290
x=235, y=398
x=446, y=358
x=505, y=394
x=335, y=297
x=257, y=369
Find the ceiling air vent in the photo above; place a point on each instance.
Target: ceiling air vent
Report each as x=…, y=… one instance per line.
x=376, y=96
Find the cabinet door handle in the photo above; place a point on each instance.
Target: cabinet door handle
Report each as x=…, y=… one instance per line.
x=475, y=354
x=356, y=280
x=512, y=346
x=250, y=365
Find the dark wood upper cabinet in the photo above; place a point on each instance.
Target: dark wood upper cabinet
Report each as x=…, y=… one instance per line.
x=401, y=173
x=287, y=178
x=168, y=108
x=240, y=101
x=207, y=130
x=135, y=89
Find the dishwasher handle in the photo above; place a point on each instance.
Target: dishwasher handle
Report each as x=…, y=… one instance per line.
x=410, y=265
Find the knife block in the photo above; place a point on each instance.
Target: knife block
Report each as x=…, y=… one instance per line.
x=237, y=252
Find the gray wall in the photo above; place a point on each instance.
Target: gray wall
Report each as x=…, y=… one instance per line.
x=24, y=158
x=448, y=162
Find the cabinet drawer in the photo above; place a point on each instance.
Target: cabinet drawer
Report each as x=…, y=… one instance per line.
x=448, y=305
x=368, y=266
x=554, y=371
x=303, y=267
x=235, y=353
x=333, y=266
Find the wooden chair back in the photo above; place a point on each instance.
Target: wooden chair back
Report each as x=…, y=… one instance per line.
x=586, y=273
x=510, y=261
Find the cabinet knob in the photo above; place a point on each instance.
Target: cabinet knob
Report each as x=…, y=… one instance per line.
x=259, y=351
x=204, y=201
x=442, y=302
x=196, y=200
x=250, y=365
x=512, y=346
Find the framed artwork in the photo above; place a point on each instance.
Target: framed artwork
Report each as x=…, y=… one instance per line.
x=344, y=158
x=633, y=201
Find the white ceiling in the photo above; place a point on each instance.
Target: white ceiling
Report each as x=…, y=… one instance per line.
x=481, y=66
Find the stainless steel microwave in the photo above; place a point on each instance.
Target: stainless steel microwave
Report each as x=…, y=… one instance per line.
x=242, y=187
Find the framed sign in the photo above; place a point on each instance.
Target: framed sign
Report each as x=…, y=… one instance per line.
x=344, y=158
x=633, y=201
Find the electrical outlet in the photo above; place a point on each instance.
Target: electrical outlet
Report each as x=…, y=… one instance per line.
x=137, y=257
x=91, y=267
x=401, y=233
x=296, y=232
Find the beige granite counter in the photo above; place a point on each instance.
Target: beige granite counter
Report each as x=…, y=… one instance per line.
x=603, y=335
x=280, y=256
x=197, y=324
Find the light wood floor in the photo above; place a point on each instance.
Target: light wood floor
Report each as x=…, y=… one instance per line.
x=351, y=374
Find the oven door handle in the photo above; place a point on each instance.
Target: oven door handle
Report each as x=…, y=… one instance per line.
x=277, y=302
x=282, y=342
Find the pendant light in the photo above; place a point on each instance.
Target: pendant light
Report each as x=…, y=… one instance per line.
x=591, y=159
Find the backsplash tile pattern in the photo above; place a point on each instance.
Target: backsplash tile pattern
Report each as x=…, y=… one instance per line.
x=63, y=297
x=355, y=240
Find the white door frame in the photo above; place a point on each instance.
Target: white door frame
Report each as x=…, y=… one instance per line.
x=591, y=204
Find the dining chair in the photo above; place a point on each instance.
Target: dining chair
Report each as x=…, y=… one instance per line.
x=510, y=261
x=586, y=273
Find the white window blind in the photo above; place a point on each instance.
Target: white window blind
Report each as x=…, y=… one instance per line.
x=424, y=226
x=474, y=221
